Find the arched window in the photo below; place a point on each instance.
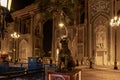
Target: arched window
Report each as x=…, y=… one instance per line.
x=25, y=25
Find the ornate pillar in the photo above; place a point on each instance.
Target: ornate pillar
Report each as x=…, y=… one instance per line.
x=53, y=41
x=32, y=33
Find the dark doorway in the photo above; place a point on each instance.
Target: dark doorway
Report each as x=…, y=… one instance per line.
x=47, y=39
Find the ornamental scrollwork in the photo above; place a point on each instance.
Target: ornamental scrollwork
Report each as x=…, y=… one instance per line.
x=100, y=6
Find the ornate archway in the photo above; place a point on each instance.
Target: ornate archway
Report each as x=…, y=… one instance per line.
x=24, y=51
x=100, y=40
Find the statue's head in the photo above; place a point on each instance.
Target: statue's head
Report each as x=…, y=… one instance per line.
x=64, y=42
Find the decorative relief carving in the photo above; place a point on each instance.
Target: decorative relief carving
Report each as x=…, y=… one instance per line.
x=100, y=39
x=100, y=31
x=100, y=6
x=37, y=22
x=101, y=20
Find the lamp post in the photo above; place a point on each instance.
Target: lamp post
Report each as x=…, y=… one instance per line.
x=15, y=35
x=115, y=22
x=61, y=24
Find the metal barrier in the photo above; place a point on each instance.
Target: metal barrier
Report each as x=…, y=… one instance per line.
x=16, y=74
x=18, y=70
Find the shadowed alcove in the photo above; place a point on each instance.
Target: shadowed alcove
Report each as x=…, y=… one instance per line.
x=47, y=39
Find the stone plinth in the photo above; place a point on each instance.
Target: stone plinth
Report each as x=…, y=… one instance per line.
x=69, y=75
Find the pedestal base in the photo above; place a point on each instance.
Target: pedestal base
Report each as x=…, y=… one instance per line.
x=71, y=75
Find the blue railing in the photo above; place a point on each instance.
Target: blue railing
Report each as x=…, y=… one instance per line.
x=23, y=69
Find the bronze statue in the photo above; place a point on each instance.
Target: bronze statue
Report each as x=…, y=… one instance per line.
x=65, y=60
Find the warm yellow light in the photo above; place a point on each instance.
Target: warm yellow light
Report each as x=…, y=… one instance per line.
x=9, y=4
x=9, y=57
x=61, y=24
x=115, y=18
x=112, y=20
x=15, y=35
x=57, y=51
x=64, y=36
x=115, y=22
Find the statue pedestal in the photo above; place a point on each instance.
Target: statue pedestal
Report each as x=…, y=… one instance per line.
x=70, y=75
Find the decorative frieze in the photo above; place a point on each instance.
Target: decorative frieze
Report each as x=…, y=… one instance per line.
x=99, y=6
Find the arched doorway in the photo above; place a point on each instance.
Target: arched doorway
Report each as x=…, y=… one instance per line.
x=47, y=39
x=24, y=51
x=101, y=40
